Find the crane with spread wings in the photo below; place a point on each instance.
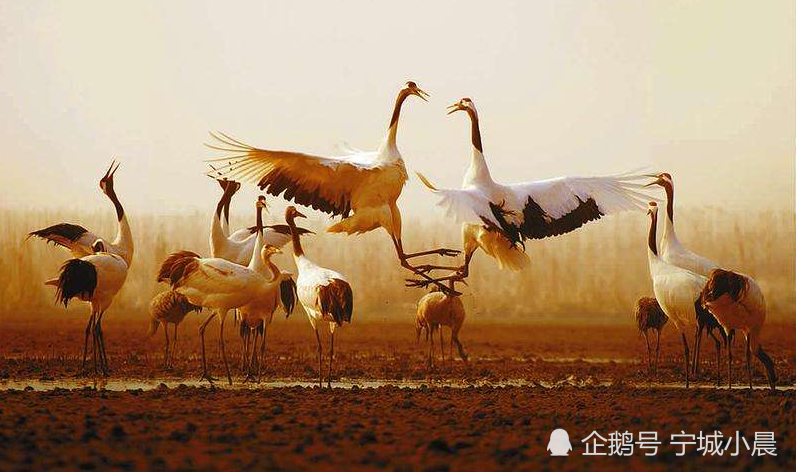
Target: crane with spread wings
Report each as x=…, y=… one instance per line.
x=362, y=186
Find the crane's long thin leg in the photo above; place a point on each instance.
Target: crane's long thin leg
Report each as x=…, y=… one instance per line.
x=331, y=358
x=697, y=348
x=166, y=351
x=101, y=338
x=223, y=347
x=441, y=344
x=718, y=358
x=649, y=352
x=426, y=268
x=202, y=327
x=657, y=350
x=464, y=270
x=437, y=281
x=462, y=352
x=174, y=344
x=262, y=353
x=769, y=365
x=749, y=362
x=686, y=359
x=320, y=367
x=450, y=346
x=729, y=361
x=89, y=330
x=253, y=360
x=246, y=340
x=431, y=346
x=405, y=264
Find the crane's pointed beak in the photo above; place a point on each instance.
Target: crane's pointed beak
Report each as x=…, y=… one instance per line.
x=422, y=94
x=454, y=108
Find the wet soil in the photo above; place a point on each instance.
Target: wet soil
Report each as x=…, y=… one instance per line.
x=581, y=378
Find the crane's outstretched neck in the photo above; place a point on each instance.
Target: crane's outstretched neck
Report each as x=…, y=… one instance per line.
x=297, y=250
x=392, y=131
x=651, y=241
x=669, y=236
x=273, y=268
x=475, y=129
x=478, y=172
x=217, y=235
x=257, y=262
x=124, y=235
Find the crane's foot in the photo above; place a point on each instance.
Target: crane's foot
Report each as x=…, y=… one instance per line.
x=424, y=283
x=426, y=268
x=443, y=251
x=208, y=377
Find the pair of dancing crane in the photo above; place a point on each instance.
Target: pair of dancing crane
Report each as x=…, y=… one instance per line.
x=363, y=188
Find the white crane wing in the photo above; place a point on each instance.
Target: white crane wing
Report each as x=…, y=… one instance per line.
x=563, y=204
x=216, y=275
x=327, y=184
x=468, y=205
x=535, y=210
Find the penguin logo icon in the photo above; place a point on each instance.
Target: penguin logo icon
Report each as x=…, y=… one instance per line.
x=559, y=443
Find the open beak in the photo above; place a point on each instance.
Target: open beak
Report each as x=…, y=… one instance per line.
x=420, y=93
x=111, y=170
x=454, y=108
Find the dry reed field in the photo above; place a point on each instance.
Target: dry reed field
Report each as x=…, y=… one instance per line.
x=594, y=274
x=563, y=330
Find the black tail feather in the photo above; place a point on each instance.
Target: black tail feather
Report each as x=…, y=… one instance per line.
x=288, y=295
x=337, y=300
x=78, y=278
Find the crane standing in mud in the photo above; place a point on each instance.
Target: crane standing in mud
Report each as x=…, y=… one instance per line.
x=437, y=309
x=169, y=307
x=650, y=316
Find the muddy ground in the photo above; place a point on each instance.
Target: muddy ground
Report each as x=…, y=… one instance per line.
x=600, y=377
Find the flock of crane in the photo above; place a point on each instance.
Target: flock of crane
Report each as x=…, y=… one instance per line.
x=362, y=187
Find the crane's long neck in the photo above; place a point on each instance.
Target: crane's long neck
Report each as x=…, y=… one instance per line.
x=273, y=268
x=257, y=262
x=225, y=221
x=652, y=246
x=478, y=170
x=669, y=235
x=217, y=236
x=392, y=130
x=124, y=236
x=297, y=249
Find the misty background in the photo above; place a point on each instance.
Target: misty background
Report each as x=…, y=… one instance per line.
x=703, y=90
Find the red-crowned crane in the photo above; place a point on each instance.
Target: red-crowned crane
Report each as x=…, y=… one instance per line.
x=324, y=293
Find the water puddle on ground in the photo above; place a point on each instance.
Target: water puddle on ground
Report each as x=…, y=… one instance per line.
x=152, y=384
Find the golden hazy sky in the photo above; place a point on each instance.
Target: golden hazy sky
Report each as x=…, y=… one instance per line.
x=705, y=90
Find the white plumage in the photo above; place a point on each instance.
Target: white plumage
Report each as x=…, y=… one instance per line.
x=239, y=246
x=79, y=241
x=527, y=210
x=219, y=284
x=324, y=293
x=96, y=279
x=671, y=249
x=361, y=186
x=676, y=289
